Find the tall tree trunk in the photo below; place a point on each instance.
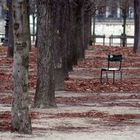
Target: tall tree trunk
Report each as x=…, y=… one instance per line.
x=79, y=30
x=34, y=33
x=62, y=44
x=94, y=24
x=87, y=28
x=20, y=111
x=124, y=11
x=137, y=26
x=73, y=42
x=6, y=25
x=10, y=31
x=45, y=90
x=33, y=12
x=67, y=50
x=28, y=13
x=69, y=36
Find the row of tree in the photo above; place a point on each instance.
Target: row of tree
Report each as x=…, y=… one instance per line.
x=63, y=31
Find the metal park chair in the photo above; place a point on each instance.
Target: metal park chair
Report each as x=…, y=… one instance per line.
x=117, y=59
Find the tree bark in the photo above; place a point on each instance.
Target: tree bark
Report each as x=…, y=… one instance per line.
x=87, y=28
x=34, y=33
x=28, y=13
x=10, y=31
x=33, y=9
x=62, y=43
x=45, y=90
x=73, y=59
x=137, y=26
x=79, y=30
x=124, y=11
x=94, y=24
x=21, y=121
x=5, y=43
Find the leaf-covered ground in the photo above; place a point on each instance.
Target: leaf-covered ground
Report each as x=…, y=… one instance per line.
x=86, y=75
x=86, y=109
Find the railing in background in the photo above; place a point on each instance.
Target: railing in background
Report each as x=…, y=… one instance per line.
x=112, y=37
x=99, y=36
x=111, y=40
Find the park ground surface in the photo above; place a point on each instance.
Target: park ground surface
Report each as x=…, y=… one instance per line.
x=86, y=109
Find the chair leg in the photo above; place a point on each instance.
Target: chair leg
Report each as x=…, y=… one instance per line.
x=121, y=75
x=113, y=77
x=106, y=76
x=101, y=77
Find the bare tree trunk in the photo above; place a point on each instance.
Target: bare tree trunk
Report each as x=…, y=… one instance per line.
x=10, y=31
x=79, y=30
x=34, y=33
x=62, y=44
x=6, y=25
x=20, y=111
x=94, y=24
x=45, y=90
x=137, y=26
x=87, y=28
x=124, y=11
x=73, y=42
x=67, y=55
x=28, y=13
x=33, y=11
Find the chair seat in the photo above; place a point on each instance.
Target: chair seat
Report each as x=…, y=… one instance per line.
x=110, y=69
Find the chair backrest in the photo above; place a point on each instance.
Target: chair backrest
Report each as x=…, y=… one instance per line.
x=115, y=58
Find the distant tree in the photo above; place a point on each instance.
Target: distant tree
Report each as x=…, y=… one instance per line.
x=33, y=12
x=137, y=26
x=73, y=57
x=20, y=111
x=124, y=5
x=80, y=22
x=45, y=89
x=77, y=30
x=28, y=14
x=9, y=29
x=4, y=7
x=87, y=14
x=95, y=6
x=61, y=43
x=7, y=16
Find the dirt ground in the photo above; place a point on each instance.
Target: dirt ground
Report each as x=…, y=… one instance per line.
x=104, y=116
x=86, y=109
